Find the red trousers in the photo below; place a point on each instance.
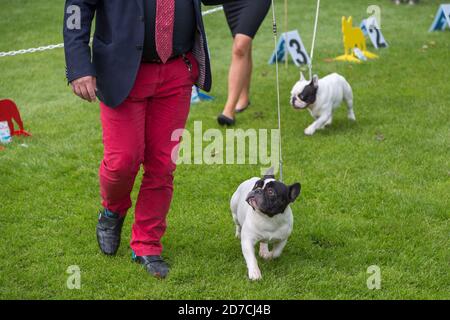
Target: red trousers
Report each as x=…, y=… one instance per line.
x=138, y=132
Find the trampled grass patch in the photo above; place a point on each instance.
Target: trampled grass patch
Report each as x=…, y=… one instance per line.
x=375, y=192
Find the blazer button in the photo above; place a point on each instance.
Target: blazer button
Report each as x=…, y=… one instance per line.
x=139, y=47
x=141, y=18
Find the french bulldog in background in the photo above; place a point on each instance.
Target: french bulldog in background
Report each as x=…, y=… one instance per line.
x=261, y=212
x=321, y=98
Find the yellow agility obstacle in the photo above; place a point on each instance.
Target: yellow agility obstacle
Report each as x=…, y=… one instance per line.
x=353, y=38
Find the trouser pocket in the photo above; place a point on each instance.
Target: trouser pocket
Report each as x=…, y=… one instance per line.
x=191, y=65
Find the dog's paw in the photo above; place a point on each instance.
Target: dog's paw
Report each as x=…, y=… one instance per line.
x=264, y=252
x=254, y=274
x=266, y=255
x=309, y=131
x=352, y=116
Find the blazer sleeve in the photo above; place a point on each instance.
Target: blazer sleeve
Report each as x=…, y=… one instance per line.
x=77, y=37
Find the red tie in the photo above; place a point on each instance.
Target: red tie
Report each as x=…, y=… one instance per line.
x=165, y=15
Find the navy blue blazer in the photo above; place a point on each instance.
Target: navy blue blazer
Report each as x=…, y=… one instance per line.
x=118, y=45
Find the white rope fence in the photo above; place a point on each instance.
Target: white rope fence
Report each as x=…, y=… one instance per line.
x=205, y=13
x=61, y=45
x=32, y=50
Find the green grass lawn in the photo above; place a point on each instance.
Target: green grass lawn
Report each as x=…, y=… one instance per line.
x=375, y=192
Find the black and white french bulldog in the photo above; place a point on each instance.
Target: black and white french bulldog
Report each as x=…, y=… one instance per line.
x=261, y=212
x=321, y=98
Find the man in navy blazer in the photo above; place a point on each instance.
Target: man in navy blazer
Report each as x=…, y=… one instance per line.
x=115, y=61
x=145, y=57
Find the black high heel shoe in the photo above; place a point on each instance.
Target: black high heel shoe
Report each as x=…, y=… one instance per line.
x=225, y=121
x=242, y=109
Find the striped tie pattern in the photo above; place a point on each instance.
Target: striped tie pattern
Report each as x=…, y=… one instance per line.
x=165, y=16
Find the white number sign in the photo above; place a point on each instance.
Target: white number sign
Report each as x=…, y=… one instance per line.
x=295, y=47
x=371, y=28
x=442, y=19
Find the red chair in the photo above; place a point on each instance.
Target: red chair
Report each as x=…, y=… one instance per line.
x=8, y=112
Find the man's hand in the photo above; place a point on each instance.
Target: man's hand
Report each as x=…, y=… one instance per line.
x=85, y=88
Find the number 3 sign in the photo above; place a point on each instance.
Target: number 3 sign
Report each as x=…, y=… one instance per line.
x=295, y=48
x=370, y=27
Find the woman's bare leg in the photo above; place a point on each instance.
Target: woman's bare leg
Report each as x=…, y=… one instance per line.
x=244, y=97
x=240, y=72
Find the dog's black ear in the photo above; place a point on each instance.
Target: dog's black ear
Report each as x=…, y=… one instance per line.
x=315, y=81
x=294, y=191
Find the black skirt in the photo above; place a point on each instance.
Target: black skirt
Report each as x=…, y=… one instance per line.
x=246, y=16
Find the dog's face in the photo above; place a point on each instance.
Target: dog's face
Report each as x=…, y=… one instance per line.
x=304, y=93
x=271, y=197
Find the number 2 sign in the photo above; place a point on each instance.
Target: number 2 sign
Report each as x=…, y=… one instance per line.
x=295, y=48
